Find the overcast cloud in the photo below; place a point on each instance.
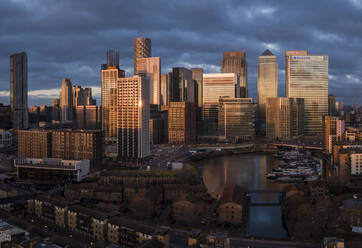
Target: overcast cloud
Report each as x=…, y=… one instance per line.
x=69, y=38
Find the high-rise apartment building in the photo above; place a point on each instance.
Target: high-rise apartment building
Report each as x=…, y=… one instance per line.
x=181, y=123
x=110, y=76
x=34, y=143
x=78, y=145
x=235, y=62
x=267, y=81
x=141, y=49
x=133, y=118
x=284, y=118
x=19, y=90
x=236, y=119
x=197, y=77
x=151, y=69
x=66, y=100
x=307, y=77
x=216, y=85
x=333, y=132
x=181, y=85
x=164, y=90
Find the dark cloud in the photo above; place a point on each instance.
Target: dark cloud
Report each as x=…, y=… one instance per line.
x=69, y=38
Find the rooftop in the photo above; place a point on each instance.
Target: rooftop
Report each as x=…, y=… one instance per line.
x=233, y=193
x=267, y=52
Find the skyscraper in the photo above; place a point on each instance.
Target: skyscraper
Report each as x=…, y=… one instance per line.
x=66, y=100
x=236, y=119
x=235, y=62
x=197, y=77
x=216, y=85
x=307, y=77
x=133, y=118
x=332, y=109
x=151, y=68
x=141, y=49
x=164, y=90
x=267, y=81
x=110, y=76
x=113, y=58
x=284, y=118
x=19, y=90
x=181, y=85
x=181, y=123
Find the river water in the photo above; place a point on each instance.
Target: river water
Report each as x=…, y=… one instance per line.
x=249, y=171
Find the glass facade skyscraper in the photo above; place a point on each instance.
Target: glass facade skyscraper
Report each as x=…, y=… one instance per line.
x=19, y=90
x=110, y=76
x=151, y=68
x=307, y=77
x=235, y=62
x=267, y=81
x=216, y=85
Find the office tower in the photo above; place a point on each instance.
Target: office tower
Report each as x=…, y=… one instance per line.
x=307, y=77
x=110, y=76
x=66, y=100
x=181, y=85
x=133, y=118
x=181, y=123
x=284, y=118
x=332, y=103
x=19, y=90
x=56, y=109
x=156, y=125
x=78, y=145
x=215, y=86
x=5, y=116
x=267, y=81
x=333, y=132
x=113, y=58
x=89, y=117
x=141, y=49
x=235, y=62
x=34, y=143
x=236, y=119
x=164, y=90
x=151, y=69
x=197, y=77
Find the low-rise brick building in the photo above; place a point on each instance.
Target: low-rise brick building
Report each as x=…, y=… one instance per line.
x=231, y=206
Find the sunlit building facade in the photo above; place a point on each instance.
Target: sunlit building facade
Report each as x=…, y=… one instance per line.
x=110, y=76
x=284, y=118
x=141, y=49
x=133, y=118
x=66, y=100
x=216, y=85
x=164, y=90
x=267, y=81
x=151, y=68
x=235, y=62
x=19, y=90
x=236, y=119
x=307, y=77
x=333, y=128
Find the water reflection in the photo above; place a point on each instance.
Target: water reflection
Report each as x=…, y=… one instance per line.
x=249, y=171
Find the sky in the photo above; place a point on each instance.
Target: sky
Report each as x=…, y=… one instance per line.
x=69, y=38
